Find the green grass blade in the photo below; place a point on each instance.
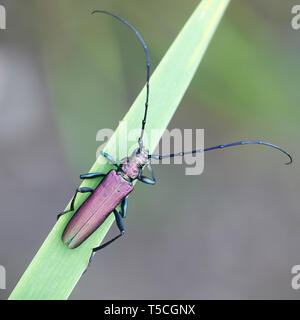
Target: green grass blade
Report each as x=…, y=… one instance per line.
x=55, y=270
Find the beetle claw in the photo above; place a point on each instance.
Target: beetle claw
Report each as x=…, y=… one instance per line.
x=89, y=263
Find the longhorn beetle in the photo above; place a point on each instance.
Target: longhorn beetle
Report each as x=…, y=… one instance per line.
x=117, y=183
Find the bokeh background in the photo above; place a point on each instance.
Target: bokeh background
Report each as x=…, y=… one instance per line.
x=232, y=232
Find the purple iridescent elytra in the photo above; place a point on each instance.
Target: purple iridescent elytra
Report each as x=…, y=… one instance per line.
x=110, y=192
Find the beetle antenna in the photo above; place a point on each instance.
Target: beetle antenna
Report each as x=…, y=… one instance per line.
x=140, y=141
x=221, y=146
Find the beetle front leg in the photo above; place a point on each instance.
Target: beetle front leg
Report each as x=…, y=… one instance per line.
x=109, y=158
x=81, y=190
x=147, y=179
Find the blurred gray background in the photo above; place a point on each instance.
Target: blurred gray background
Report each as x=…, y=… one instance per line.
x=232, y=232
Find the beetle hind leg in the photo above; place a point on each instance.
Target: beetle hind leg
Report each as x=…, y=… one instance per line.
x=120, y=227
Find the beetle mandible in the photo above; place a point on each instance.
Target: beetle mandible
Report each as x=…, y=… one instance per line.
x=118, y=183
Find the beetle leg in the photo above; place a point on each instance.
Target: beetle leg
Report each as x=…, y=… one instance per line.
x=124, y=208
x=147, y=179
x=121, y=228
x=109, y=158
x=119, y=221
x=81, y=190
x=92, y=175
x=122, y=231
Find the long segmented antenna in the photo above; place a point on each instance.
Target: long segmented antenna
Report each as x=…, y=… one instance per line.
x=140, y=141
x=221, y=146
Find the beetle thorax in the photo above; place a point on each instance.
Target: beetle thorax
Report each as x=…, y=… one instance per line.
x=132, y=166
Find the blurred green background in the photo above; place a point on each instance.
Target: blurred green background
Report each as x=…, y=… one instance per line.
x=232, y=232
